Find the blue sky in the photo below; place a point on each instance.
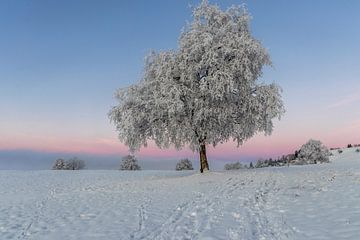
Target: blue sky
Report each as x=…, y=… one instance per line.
x=61, y=61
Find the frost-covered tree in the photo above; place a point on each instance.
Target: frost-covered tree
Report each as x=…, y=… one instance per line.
x=251, y=165
x=74, y=164
x=205, y=92
x=233, y=166
x=59, y=164
x=313, y=152
x=260, y=163
x=129, y=162
x=184, y=164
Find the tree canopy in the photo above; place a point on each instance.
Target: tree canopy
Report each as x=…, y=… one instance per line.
x=205, y=92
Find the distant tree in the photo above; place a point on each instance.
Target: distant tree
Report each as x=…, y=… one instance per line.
x=74, y=164
x=349, y=146
x=281, y=161
x=233, y=166
x=259, y=163
x=184, y=164
x=129, y=162
x=271, y=162
x=296, y=154
x=59, y=164
x=290, y=158
x=266, y=163
x=251, y=165
x=203, y=93
x=313, y=152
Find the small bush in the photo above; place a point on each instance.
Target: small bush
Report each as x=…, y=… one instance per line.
x=129, y=162
x=340, y=151
x=233, y=166
x=184, y=164
x=357, y=150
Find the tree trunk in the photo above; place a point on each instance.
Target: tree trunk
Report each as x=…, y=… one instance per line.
x=204, y=166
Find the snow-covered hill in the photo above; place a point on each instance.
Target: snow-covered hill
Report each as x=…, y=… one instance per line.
x=297, y=202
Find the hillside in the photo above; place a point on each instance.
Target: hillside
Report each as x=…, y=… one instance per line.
x=297, y=202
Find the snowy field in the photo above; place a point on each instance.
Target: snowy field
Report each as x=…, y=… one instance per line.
x=297, y=202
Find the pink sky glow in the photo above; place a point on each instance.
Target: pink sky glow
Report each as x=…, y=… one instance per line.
x=279, y=143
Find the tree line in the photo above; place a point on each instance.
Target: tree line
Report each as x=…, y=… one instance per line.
x=312, y=152
x=71, y=164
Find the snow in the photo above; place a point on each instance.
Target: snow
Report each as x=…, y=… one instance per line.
x=298, y=202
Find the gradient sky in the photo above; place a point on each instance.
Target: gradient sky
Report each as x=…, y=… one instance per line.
x=61, y=62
